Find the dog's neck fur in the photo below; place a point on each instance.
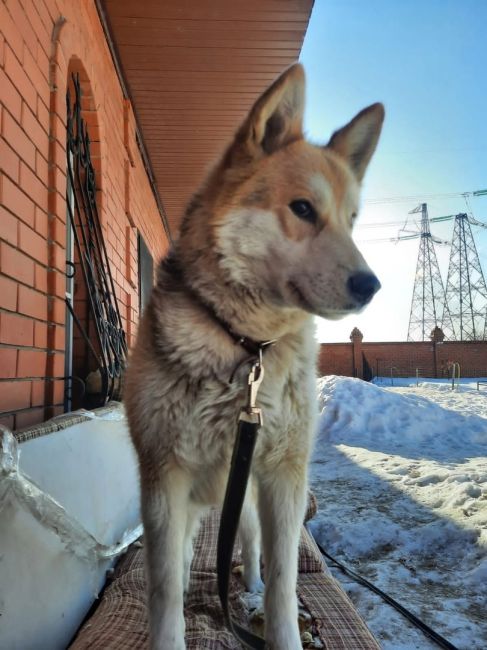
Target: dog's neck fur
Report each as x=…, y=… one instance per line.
x=245, y=309
x=174, y=269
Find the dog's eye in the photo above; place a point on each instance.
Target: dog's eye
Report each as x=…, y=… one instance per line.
x=304, y=210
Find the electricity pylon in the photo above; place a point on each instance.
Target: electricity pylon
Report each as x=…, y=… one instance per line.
x=428, y=306
x=466, y=291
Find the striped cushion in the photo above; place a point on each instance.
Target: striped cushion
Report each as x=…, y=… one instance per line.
x=120, y=621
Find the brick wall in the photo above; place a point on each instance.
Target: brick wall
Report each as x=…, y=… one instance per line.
x=336, y=359
x=432, y=359
x=34, y=75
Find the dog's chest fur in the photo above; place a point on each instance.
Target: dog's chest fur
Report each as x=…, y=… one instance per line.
x=187, y=413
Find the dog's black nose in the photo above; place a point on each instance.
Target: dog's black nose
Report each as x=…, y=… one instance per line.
x=362, y=286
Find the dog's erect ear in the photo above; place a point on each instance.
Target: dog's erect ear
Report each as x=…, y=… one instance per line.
x=276, y=119
x=357, y=140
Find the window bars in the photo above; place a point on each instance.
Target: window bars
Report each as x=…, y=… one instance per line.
x=107, y=346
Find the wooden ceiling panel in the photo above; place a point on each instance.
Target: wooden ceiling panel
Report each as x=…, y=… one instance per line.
x=192, y=69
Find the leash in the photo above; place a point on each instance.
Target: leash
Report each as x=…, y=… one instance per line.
x=249, y=422
x=426, y=629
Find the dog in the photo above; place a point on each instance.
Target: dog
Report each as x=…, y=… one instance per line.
x=265, y=244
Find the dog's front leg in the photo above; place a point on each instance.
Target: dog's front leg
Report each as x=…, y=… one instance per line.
x=164, y=513
x=282, y=498
x=249, y=532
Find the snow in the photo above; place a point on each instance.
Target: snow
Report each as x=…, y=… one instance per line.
x=400, y=474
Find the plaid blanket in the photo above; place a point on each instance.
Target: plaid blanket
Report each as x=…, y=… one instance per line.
x=327, y=617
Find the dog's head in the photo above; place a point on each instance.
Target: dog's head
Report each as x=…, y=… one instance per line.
x=278, y=211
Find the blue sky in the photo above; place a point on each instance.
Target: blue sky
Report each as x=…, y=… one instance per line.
x=426, y=60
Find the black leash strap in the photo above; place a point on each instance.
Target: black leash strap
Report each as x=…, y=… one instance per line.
x=249, y=421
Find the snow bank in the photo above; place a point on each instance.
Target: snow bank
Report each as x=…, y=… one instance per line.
x=402, y=488
x=359, y=414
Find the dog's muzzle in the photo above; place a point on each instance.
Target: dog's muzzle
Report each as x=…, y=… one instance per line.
x=363, y=286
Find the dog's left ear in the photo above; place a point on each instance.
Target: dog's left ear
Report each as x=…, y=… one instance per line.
x=357, y=140
x=276, y=119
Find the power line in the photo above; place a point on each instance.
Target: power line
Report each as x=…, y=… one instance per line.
x=427, y=197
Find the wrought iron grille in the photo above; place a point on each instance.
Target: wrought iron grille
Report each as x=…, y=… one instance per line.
x=101, y=327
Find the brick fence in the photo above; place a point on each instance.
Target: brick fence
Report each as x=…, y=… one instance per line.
x=36, y=62
x=403, y=359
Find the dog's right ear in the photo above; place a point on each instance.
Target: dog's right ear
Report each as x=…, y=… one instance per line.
x=276, y=119
x=356, y=142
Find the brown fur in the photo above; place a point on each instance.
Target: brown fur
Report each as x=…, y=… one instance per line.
x=264, y=271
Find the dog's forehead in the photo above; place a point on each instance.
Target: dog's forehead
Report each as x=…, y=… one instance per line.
x=332, y=184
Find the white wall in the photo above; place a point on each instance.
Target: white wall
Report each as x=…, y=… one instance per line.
x=53, y=563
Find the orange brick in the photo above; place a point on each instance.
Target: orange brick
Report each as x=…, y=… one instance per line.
x=11, y=32
x=41, y=223
x=42, y=171
x=40, y=273
x=29, y=418
x=8, y=363
x=40, y=334
x=8, y=227
x=58, y=153
x=59, y=338
x=20, y=19
x=59, y=231
x=18, y=140
x=58, y=314
x=57, y=130
x=44, y=15
x=37, y=133
x=36, y=23
x=38, y=393
x=42, y=55
x=33, y=186
x=14, y=395
x=9, y=160
x=57, y=205
x=10, y=96
x=16, y=264
x=58, y=180
x=57, y=283
x=33, y=244
x=31, y=363
x=8, y=294
x=32, y=303
x=51, y=6
x=58, y=393
x=42, y=110
x=16, y=201
x=59, y=258
x=58, y=365
x=19, y=78
x=38, y=76
x=16, y=330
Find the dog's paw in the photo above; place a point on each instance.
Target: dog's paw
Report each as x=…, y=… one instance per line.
x=254, y=585
x=283, y=637
x=168, y=642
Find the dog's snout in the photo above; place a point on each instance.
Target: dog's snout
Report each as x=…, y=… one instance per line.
x=363, y=286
